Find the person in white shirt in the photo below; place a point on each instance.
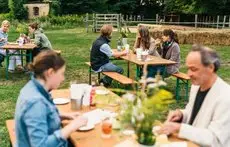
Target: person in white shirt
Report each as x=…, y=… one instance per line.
x=206, y=118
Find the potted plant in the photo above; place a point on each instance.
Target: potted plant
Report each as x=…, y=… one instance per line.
x=141, y=109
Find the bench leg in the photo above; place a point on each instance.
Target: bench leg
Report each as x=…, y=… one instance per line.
x=186, y=88
x=177, y=89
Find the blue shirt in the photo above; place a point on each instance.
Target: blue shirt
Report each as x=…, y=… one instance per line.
x=3, y=35
x=37, y=119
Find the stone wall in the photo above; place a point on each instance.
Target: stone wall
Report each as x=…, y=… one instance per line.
x=42, y=7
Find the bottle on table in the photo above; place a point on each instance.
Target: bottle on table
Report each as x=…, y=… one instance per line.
x=119, y=45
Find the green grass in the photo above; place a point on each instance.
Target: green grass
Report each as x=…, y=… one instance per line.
x=75, y=45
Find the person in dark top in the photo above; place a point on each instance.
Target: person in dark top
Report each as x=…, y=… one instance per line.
x=100, y=53
x=206, y=118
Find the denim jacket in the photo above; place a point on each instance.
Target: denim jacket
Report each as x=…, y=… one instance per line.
x=37, y=119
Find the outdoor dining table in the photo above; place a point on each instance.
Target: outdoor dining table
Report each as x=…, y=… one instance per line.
x=93, y=137
x=21, y=49
x=151, y=60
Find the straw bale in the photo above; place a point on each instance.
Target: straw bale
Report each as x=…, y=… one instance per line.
x=190, y=35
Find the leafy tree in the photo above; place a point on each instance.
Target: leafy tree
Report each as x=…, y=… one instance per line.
x=83, y=6
x=17, y=10
x=4, y=6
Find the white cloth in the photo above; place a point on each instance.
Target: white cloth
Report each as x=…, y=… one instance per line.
x=212, y=123
x=14, y=60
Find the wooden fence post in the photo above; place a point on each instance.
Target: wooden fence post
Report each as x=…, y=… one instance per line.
x=196, y=17
x=157, y=18
x=94, y=23
x=229, y=21
x=217, y=23
x=87, y=22
x=224, y=21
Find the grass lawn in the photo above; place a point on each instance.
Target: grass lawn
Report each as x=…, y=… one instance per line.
x=75, y=45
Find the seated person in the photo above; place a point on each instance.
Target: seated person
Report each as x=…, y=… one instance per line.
x=40, y=39
x=169, y=50
x=206, y=118
x=146, y=42
x=37, y=120
x=100, y=53
x=14, y=60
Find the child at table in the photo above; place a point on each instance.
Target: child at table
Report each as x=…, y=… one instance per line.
x=15, y=59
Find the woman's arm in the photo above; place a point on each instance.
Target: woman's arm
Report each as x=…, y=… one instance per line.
x=37, y=127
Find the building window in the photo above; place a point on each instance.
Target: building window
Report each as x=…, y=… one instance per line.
x=36, y=11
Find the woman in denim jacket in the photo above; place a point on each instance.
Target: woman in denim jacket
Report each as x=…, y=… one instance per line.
x=38, y=122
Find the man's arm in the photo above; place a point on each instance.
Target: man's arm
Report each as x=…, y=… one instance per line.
x=105, y=48
x=217, y=133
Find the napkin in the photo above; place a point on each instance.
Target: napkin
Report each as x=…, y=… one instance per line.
x=97, y=115
x=82, y=91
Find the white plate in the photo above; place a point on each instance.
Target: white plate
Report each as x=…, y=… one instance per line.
x=87, y=128
x=102, y=92
x=61, y=101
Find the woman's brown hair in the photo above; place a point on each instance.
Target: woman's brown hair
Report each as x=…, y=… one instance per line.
x=145, y=37
x=34, y=25
x=171, y=34
x=45, y=60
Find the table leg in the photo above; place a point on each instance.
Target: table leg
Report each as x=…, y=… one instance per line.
x=21, y=52
x=7, y=64
x=128, y=68
x=164, y=72
x=137, y=72
x=30, y=54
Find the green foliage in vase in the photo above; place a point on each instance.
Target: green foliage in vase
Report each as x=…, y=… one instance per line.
x=142, y=109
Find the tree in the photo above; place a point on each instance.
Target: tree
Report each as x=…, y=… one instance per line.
x=17, y=10
x=83, y=6
x=4, y=6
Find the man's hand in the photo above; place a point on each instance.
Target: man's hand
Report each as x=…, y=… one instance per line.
x=169, y=128
x=175, y=116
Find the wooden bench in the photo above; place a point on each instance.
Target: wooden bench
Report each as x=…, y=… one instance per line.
x=182, y=79
x=114, y=75
x=10, y=124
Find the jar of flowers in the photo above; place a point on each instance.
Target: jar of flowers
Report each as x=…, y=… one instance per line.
x=143, y=107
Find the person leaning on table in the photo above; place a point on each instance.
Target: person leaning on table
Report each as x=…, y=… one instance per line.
x=206, y=118
x=38, y=122
x=100, y=53
x=146, y=43
x=40, y=39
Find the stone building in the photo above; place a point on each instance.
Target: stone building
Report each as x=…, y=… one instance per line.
x=37, y=9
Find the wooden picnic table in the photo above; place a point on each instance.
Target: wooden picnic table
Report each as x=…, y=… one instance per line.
x=93, y=137
x=16, y=47
x=151, y=60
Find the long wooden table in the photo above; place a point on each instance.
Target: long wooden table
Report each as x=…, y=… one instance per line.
x=93, y=138
x=15, y=46
x=151, y=60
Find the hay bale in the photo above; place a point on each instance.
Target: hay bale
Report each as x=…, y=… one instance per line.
x=190, y=35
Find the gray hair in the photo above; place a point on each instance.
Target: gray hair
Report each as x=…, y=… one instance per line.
x=208, y=56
